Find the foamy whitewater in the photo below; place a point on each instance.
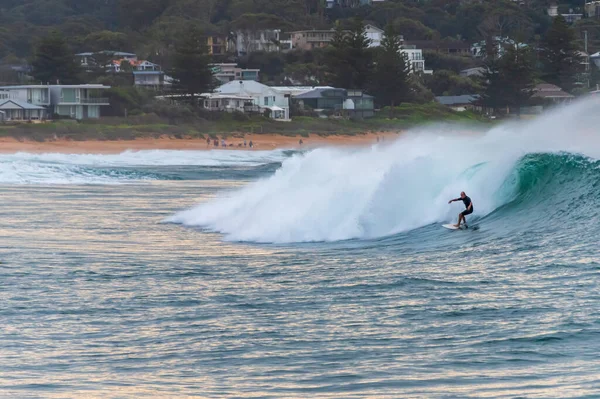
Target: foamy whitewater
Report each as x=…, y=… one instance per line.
x=318, y=274
x=55, y=168
x=333, y=194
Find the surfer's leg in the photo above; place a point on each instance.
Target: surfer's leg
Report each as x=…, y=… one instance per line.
x=460, y=217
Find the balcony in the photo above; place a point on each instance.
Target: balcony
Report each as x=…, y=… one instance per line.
x=88, y=101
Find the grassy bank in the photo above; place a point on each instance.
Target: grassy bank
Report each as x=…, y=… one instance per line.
x=152, y=125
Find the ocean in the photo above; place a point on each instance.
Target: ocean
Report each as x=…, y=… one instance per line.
x=321, y=273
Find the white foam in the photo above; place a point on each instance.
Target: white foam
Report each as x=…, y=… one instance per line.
x=333, y=194
x=56, y=168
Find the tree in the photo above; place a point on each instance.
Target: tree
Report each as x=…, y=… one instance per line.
x=448, y=83
x=559, y=55
x=510, y=78
x=54, y=62
x=191, y=69
x=390, y=77
x=349, y=60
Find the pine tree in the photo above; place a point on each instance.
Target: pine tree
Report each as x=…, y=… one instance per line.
x=54, y=62
x=349, y=59
x=191, y=69
x=509, y=79
x=559, y=55
x=390, y=81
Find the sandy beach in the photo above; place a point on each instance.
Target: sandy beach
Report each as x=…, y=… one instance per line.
x=260, y=141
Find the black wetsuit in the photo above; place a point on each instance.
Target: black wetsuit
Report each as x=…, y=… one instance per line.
x=467, y=202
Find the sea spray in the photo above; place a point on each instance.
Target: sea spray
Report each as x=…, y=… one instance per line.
x=335, y=194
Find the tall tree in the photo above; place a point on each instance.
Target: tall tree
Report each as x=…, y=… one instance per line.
x=191, y=69
x=350, y=60
x=390, y=76
x=54, y=62
x=559, y=55
x=510, y=78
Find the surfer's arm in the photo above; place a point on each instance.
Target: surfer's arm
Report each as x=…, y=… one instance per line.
x=452, y=200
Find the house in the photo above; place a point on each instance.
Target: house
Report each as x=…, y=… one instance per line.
x=551, y=94
x=475, y=72
x=227, y=72
x=595, y=58
x=227, y=102
x=145, y=73
x=70, y=101
x=478, y=49
x=374, y=34
x=291, y=91
x=415, y=57
x=219, y=44
x=91, y=59
x=570, y=17
x=460, y=103
x=444, y=46
x=353, y=103
x=350, y=3
x=17, y=110
x=311, y=39
x=265, y=97
x=592, y=9
x=248, y=41
x=77, y=101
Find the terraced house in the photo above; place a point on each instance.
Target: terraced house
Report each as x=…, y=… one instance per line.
x=65, y=101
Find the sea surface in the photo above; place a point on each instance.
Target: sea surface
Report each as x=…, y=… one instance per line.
x=315, y=274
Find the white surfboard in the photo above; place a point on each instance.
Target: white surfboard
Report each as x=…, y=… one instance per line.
x=452, y=227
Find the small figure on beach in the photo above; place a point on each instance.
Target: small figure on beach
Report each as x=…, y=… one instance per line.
x=216, y=142
x=244, y=142
x=208, y=141
x=223, y=143
x=250, y=144
x=300, y=142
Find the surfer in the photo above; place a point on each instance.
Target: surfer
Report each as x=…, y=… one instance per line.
x=468, y=204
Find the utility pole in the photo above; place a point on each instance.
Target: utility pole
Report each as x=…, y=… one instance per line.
x=587, y=64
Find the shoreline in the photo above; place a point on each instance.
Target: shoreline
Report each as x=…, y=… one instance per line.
x=262, y=142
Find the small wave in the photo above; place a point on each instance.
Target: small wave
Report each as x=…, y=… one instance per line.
x=130, y=166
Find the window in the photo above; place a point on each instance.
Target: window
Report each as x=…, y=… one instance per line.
x=266, y=100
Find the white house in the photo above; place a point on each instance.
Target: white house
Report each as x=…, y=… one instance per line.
x=227, y=102
x=72, y=101
x=375, y=34
x=415, y=58
x=264, y=97
x=248, y=41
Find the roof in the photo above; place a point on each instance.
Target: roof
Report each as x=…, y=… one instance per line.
x=18, y=104
x=296, y=90
x=217, y=96
x=318, y=93
x=242, y=87
x=85, y=86
x=457, y=100
x=476, y=69
x=437, y=44
x=117, y=53
x=371, y=26
x=547, y=90
x=136, y=72
x=314, y=30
